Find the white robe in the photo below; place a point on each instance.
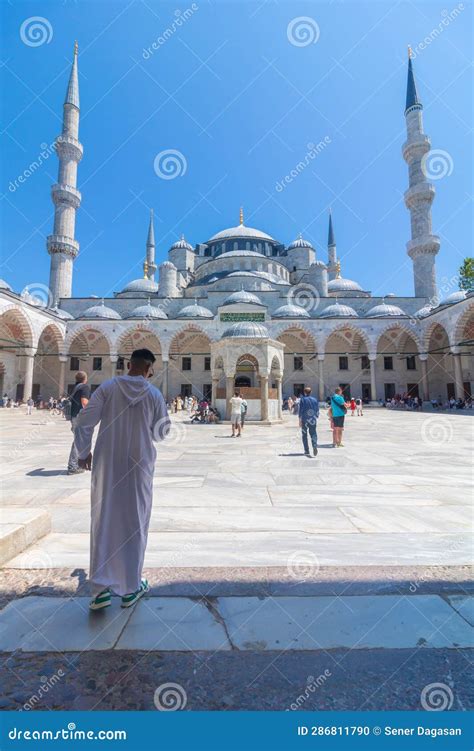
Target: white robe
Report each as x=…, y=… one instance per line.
x=132, y=414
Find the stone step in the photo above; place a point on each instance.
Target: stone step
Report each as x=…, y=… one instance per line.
x=20, y=528
x=182, y=624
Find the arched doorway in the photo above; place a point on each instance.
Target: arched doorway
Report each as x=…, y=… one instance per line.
x=300, y=360
x=89, y=351
x=398, y=366
x=190, y=364
x=16, y=339
x=347, y=364
x=46, y=374
x=246, y=372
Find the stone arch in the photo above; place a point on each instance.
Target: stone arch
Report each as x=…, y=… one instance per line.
x=190, y=362
x=400, y=327
x=86, y=328
x=301, y=333
x=16, y=329
x=46, y=371
x=137, y=336
x=428, y=334
x=464, y=326
x=352, y=334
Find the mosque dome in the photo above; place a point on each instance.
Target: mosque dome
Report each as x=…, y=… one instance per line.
x=147, y=311
x=181, y=243
x=338, y=311
x=246, y=330
x=62, y=314
x=195, y=311
x=343, y=285
x=5, y=285
x=241, y=231
x=300, y=242
x=384, y=311
x=242, y=297
x=141, y=285
x=290, y=311
x=423, y=312
x=100, y=311
x=167, y=265
x=454, y=297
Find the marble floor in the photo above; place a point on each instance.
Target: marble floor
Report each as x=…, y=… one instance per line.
x=398, y=493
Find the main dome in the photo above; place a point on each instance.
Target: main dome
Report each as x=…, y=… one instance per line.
x=246, y=330
x=241, y=231
x=343, y=285
x=141, y=285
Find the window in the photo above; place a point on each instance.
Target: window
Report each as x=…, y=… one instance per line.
x=298, y=362
x=96, y=363
x=186, y=389
x=207, y=363
x=389, y=390
x=388, y=363
x=120, y=363
x=365, y=362
x=344, y=363
x=298, y=389
x=74, y=363
x=186, y=363
x=411, y=362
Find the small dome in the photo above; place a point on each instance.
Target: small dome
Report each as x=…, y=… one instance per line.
x=423, y=312
x=290, y=311
x=141, y=285
x=338, y=311
x=242, y=297
x=5, y=285
x=62, y=314
x=100, y=311
x=148, y=311
x=195, y=311
x=167, y=265
x=181, y=244
x=241, y=231
x=383, y=311
x=390, y=294
x=300, y=243
x=246, y=330
x=343, y=285
x=454, y=297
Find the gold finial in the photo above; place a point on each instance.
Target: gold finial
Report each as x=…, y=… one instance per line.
x=76, y=47
x=145, y=269
x=410, y=52
x=241, y=218
x=338, y=269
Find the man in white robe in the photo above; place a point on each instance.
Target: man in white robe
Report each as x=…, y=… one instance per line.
x=132, y=415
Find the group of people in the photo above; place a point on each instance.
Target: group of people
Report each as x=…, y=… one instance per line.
x=308, y=414
x=452, y=403
x=404, y=401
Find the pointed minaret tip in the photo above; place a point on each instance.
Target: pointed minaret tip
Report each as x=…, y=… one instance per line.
x=331, y=239
x=150, y=241
x=72, y=94
x=412, y=92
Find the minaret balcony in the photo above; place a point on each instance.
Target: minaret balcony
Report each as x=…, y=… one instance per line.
x=423, y=245
x=68, y=147
x=422, y=193
x=63, y=193
x=62, y=244
x=416, y=148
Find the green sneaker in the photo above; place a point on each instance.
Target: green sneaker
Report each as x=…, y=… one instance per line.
x=131, y=599
x=102, y=600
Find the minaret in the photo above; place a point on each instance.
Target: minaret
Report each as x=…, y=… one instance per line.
x=62, y=246
x=423, y=246
x=150, y=250
x=332, y=253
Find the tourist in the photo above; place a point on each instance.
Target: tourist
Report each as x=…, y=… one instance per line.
x=132, y=414
x=338, y=411
x=243, y=412
x=79, y=399
x=359, y=406
x=353, y=407
x=29, y=405
x=308, y=414
x=236, y=414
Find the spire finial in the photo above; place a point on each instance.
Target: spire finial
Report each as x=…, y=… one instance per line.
x=412, y=99
x=76, y=47
x=145, y=269
x=241, y=217
x=410, y=52
x=338, y=269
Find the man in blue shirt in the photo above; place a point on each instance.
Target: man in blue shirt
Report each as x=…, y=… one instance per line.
x=338, y=409
x=308, y=414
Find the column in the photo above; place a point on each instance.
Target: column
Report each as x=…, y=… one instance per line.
x=373, y=385
x=62, y=375
x=165, y=387
x=29, y=365
x=458, y=382
x=264, y=397
x=278, y=380
x=425, y=390
x=321, y=377
x=229, y=393
x=215, y=386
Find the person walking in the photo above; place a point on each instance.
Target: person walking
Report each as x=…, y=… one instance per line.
x=359, y=407
x=79, y=399
x=132, y=415
x=29, y=405
x=338, y=411
x=353, y=407
x=243, y=412
x=308, y=416
x=236, y=414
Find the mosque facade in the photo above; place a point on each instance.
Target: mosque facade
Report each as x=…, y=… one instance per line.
x=241, y=309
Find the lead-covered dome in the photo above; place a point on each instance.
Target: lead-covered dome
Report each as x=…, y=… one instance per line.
x=241, y=231
x=300, y=242
x=454, y=297
x=195, y=311
x=148, y=311
x=423, y=312
x=338, y=311
x=5, y=285
x=343, y=285
x=62, y=314
x=100, y=311
x=246, y=330
x=290, y=311
x=243, y=297
x=181, y=243
x=141, y=285
x=385, y=311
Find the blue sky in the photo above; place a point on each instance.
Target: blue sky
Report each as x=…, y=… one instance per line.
x=231, y=91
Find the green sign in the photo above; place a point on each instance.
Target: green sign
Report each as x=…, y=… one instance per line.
x=233, y=317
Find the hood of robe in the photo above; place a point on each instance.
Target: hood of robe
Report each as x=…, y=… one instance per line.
x=134, y=388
